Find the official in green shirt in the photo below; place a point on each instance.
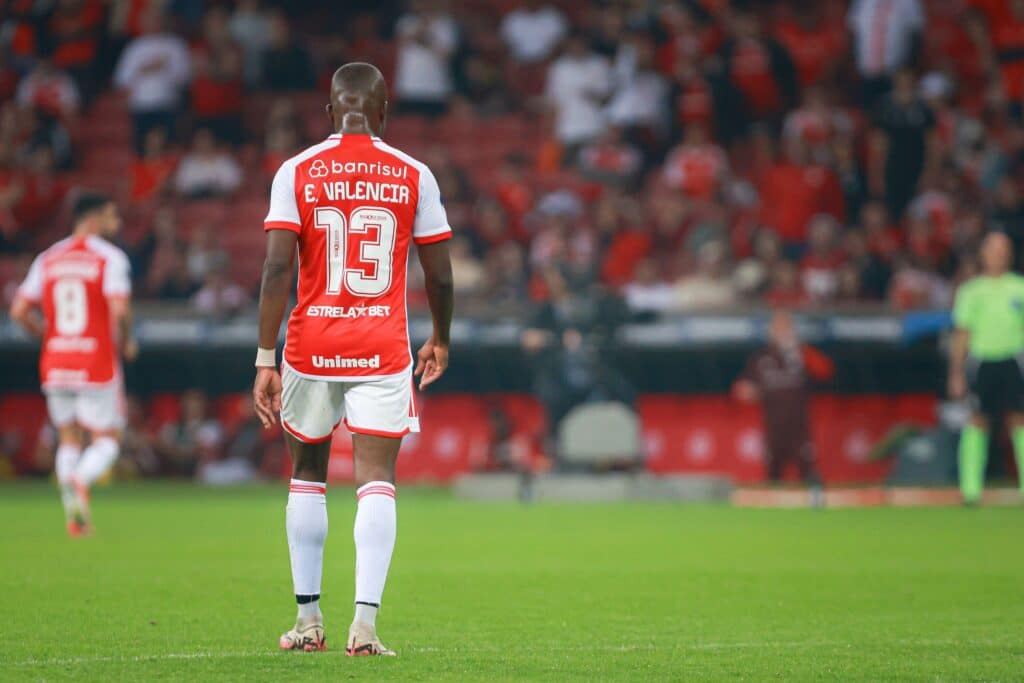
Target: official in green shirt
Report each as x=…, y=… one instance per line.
x=987, y=359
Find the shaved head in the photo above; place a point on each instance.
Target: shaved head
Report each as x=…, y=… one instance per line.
x=359, y=99
x=996, y=253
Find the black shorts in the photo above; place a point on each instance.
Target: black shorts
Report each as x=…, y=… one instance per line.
x=997, y=386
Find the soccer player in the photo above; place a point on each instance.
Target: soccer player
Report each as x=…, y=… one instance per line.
x=82, y=288
x=985, y=356
x=349, y=206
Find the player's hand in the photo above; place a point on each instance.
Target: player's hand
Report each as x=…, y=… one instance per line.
x=130, y=350
x=745, y=391
x=266, y=395
x=957, y=387
x=431, y=362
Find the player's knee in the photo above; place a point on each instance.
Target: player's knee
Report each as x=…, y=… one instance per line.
x=365, y=472
x=979, y=421
x=69, y=435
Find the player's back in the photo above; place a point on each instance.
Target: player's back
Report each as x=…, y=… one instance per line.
x=357, y=204
x=72, y=283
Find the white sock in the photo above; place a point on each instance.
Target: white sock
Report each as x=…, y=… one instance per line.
x=306, y=521
x=96, y=459
x=65, y=462
x=374, y=533
x=64, y=466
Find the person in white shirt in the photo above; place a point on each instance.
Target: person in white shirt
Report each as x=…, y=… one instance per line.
x=640, y=102
x=886, y=37
x=206, y=170
x=533, y=31
x=426, y=38
x=154, y=70
x=49, y=90
x=578, y=85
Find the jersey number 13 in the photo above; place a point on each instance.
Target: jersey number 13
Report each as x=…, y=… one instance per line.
x=369, y=273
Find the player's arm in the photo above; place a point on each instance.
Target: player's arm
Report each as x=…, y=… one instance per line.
x=959, y=343
x=26, y=313
x=432, y=359
x=25, y=308
x=121, y=311
x=278, y=269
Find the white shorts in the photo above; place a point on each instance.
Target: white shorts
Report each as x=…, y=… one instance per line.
x=312, y=408
x=98, y=408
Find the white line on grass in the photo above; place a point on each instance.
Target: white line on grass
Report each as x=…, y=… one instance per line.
x=753, y=645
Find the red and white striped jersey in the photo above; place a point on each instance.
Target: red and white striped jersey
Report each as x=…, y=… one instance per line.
x=357, y=204
x=72, y=282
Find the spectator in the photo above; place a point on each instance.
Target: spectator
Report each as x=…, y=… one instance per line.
x=759, y=68
x=871, y=273
x=709, y=286
x=242, y=452
x=151, y=173
x=219, y=296
x=427, y=38
x=793, y=190
x=886, y=38
x=40, y=194
x=250, y=28
x=638, y=104
x=697, y=167
x=195, y=437
x=216, y=95
x=286, y=64
x=819, y=268
x=648, y=292
x=154, y=68
x=533, y=30
x=816, y=46
x=578, y=84
x=785, y=289
x=50, y=92
x=467, y=272
x=753, y=275
x=204, y=255
x=505, y=276
x=611, y=160
x=902, y=143
x=206, y=170
x=138, y=456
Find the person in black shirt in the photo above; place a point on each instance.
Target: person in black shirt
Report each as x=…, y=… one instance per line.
x=286, y=64
x=902, y=142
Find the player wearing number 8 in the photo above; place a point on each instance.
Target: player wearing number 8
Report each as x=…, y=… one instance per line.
x=81, y=286
x=350, y=207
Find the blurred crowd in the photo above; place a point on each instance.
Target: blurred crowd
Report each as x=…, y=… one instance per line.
x=678, y=154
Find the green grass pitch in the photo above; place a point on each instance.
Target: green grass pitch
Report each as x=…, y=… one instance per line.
x=182, y=583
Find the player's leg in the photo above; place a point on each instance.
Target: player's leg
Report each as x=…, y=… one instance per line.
x=1015, y=416
x=378, y=414
x=972, y=452
x=310, y=410
x=60, y=405
x=100, y=411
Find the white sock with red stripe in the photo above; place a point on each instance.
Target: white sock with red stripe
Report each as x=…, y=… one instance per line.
x=374, y=533
x=306, y=521
x=96, y=459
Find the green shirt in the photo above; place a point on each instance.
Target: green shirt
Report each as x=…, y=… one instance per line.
x=991, y=309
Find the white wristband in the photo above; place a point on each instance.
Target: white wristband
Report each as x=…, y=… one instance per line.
x=266, y=358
